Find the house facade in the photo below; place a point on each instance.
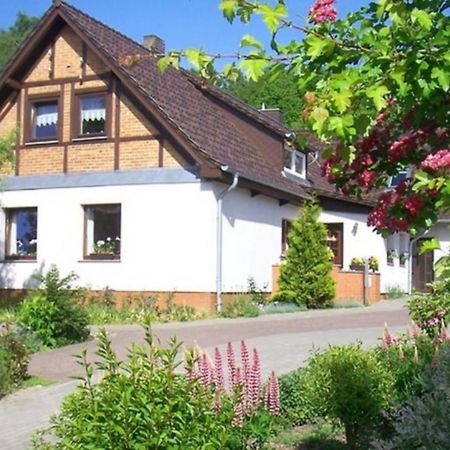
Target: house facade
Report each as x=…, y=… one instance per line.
x=146, y=181
x=120, y=170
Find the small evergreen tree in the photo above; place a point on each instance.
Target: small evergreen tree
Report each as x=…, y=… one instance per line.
x=305, y=275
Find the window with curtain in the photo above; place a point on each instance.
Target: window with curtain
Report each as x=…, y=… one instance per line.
x=44, y=120
x=335, y=242
x=92, y=114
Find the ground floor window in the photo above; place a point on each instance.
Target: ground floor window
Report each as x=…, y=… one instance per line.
x=21, y=233
x=335, y=241
x=102, y=231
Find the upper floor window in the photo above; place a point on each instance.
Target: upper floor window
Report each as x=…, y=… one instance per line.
x=44, y=120
x=21, y=233
x=92, y=118
x=400, y=176
x=295, y=162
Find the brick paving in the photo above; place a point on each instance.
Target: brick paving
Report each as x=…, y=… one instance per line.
x=284, y=341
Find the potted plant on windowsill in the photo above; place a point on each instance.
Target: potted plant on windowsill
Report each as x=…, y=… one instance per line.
x=357, y=264
x=403, y=258
x=106, y=249
x=373, y=264
x=390, y=255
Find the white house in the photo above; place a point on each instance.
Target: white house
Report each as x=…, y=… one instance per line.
x=144, y=181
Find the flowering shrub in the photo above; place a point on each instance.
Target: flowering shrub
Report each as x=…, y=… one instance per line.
x=407, y=357
x=322, y=11
x=429, y=310
x=107, y=246
x=145, y=402
x=422, y=421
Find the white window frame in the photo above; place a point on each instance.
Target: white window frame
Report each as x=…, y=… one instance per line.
x=407, y=173
x=293, y=169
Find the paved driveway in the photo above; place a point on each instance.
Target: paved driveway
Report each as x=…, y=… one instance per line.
x=284, y=342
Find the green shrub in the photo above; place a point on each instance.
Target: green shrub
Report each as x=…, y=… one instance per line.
x=243, y=306
x=428, y=310
x=139, y=308
x=350, y=385
x=14, y=358
x=394, y=292
x=297, y=406
x=281, y=308
x=145, y=403
x=305, y=274
x=422, y=422
x=53, y=313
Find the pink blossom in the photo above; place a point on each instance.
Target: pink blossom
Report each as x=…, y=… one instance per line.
x=245, y=358
x=388, y=339
x=231, y=363
x=218, y=371
x=436, y=161
x=205, y=370
x=272, y=397
x=254, y=386
x=322, y=11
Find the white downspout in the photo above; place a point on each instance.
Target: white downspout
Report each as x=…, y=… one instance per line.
x=410, y=259
x=219, y=239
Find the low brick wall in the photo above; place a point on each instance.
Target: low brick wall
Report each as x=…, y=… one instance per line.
x=349, y=285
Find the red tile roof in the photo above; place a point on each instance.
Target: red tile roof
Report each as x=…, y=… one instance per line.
x=223, y=129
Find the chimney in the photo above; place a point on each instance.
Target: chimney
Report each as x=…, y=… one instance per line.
x=273, y=113
x=155, y=44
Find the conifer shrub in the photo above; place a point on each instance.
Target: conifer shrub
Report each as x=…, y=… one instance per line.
x=305, y=274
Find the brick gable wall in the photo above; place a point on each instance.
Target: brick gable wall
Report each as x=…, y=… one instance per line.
x=133, y=141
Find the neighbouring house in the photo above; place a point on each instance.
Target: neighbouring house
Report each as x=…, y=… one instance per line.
x=146, y=181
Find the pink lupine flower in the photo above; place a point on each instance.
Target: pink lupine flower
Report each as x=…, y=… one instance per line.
x=239, y=409
x=442, y=336
x=416, y=356
x=436, y=358
x=218, y=371
x=205, y=370
x=231, y=363
x=254, y=386
x=245, y=358
x=413, y=331
x=272, y=398
x=388, y=339
x=322, y=11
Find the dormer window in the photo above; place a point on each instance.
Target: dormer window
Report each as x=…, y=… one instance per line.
x=400, y=176
x=44, y=120
x=295, y=163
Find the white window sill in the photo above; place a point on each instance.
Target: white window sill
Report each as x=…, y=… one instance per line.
x=90, y=138
x=30, y=144
x=301, y=176
x=100, y=261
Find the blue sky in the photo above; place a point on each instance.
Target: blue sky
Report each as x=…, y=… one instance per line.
x=181, y=23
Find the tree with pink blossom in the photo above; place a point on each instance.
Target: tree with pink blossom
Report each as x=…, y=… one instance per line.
x=376, y=85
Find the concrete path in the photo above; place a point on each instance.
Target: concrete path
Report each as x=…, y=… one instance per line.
x=284, y=341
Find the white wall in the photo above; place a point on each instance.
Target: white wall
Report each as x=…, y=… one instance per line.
x=362, y=241
x=251, y=238
x=168, y=237
x=441, y=231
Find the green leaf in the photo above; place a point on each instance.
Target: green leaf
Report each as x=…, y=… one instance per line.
x=228, y=8
x=169, y=60
x=442, y=76
x=422, y=17
x=318, y=46
x=272, y=15
x=254, y=67
x=428, y=245
x=342, y=100
x=319, y=116
x=250, y=41
x=377, y=93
